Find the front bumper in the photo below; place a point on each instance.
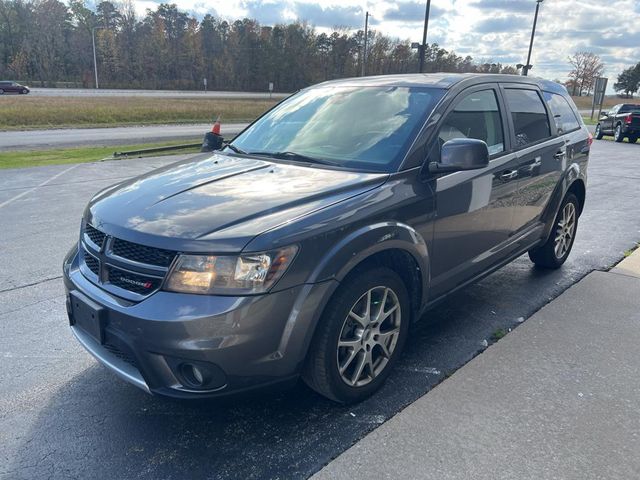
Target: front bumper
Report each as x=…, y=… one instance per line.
x=241, y=342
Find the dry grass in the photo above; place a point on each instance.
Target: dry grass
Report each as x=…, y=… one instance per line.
x=584, y=103
x=22, y=112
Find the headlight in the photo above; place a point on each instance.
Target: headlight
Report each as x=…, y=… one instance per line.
x=227, y=275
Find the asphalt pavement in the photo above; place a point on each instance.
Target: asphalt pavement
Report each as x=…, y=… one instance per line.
x=107, y=92
x=72, y=137
x=558, y=398
x=62, y=415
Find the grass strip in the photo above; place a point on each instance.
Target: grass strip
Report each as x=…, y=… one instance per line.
x=19, y=112
x=36, y=158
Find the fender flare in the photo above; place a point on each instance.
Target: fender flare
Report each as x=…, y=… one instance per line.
x=338, y=262
x=571, y=175
x=364, y=242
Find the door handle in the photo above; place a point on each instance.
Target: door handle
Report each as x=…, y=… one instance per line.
x=537, y=162
x=560, y=155
x=509, y=175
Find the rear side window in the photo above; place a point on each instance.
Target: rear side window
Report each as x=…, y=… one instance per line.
x=475, y=116
x=530, y=120
x=563, y=114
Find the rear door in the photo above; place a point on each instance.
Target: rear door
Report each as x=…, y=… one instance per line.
x=474, y=209
x=606, y=123
x=540, y=151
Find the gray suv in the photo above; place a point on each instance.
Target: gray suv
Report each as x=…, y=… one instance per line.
x=308, y=245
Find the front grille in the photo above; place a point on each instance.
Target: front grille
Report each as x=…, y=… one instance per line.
x=142, y=253
x=140, y=284
x=124, y=268
x=94, y=234
x=124, y=356
x=92, y=263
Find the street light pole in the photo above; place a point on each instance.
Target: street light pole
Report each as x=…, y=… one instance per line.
x=364, y=53
x=423, y=48
x=527, y=66
x=95, y=63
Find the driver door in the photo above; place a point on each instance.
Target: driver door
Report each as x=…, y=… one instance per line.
x=474, y=209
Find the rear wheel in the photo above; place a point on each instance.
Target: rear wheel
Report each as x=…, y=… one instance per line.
x=554, y=252
x=360, y=336
x=598, y=132
x=617, y=135
x=632, y=139
x=1, y=91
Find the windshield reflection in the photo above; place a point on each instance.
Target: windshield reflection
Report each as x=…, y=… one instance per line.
x=354, y=127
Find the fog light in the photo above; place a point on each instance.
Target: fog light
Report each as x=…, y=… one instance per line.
x=192, y=374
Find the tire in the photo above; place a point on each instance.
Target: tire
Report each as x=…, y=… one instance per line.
x=1, y=91
x=633, y=139
x=598, y=133
x=617, y=134
x=551, y=254
x=365, y=366
x=24, y=91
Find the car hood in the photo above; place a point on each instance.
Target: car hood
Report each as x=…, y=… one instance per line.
x=219, y=203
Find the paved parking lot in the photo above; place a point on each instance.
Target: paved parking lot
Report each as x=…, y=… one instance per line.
x=61, y=415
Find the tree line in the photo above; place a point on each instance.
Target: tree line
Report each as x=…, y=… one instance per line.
x=46, y=42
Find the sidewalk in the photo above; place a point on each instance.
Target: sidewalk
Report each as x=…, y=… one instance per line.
x=558, y=398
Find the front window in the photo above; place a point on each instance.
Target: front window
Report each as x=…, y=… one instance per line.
x=369, y=128
x=476, y=116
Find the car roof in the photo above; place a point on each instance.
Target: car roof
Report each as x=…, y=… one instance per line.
x=443, y=80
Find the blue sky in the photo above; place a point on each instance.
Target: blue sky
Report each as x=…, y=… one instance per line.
x=491, y=30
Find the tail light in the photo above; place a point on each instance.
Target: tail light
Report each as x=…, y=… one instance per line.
x=627, y=119
x=590, y=140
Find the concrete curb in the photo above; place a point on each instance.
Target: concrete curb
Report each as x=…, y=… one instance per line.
x=629, y=266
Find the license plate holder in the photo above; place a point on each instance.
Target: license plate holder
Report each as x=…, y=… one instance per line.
x=88, y=315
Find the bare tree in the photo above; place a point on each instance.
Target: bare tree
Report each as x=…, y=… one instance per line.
x=586, y=67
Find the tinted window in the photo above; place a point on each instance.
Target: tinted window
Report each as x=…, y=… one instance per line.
x=530, y=120
x=356, y=127
x=628, y=107
x=562, y=112
x=475, y=116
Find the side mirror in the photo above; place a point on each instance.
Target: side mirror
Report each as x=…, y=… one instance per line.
x=461, y=154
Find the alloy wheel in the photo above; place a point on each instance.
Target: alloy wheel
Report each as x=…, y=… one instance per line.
x=369, y=336
x=565, y=230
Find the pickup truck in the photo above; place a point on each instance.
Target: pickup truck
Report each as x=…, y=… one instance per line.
x=621, y=121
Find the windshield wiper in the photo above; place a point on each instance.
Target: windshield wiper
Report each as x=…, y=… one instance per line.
x=294, y=156
x=236, y=149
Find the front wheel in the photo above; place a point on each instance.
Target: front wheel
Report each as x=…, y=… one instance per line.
x=360, y=336
x=24, y=91
x=554, y=252
x=598, y=132
x=617, y=135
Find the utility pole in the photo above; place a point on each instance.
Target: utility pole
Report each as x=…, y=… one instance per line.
x=364, y=51
x=423, y=47
x=95, y=63
x=527, y=66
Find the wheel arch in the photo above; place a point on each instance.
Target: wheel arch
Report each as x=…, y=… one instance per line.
x=393, y=244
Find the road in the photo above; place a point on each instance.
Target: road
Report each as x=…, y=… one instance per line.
x=63, y=416
x=73, y=137
x=92, y=92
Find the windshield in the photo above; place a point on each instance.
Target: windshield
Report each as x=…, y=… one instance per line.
x=368, y=128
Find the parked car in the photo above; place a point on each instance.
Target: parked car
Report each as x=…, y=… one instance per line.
x=13, y=87
x=621, y=121
x=308, y=245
